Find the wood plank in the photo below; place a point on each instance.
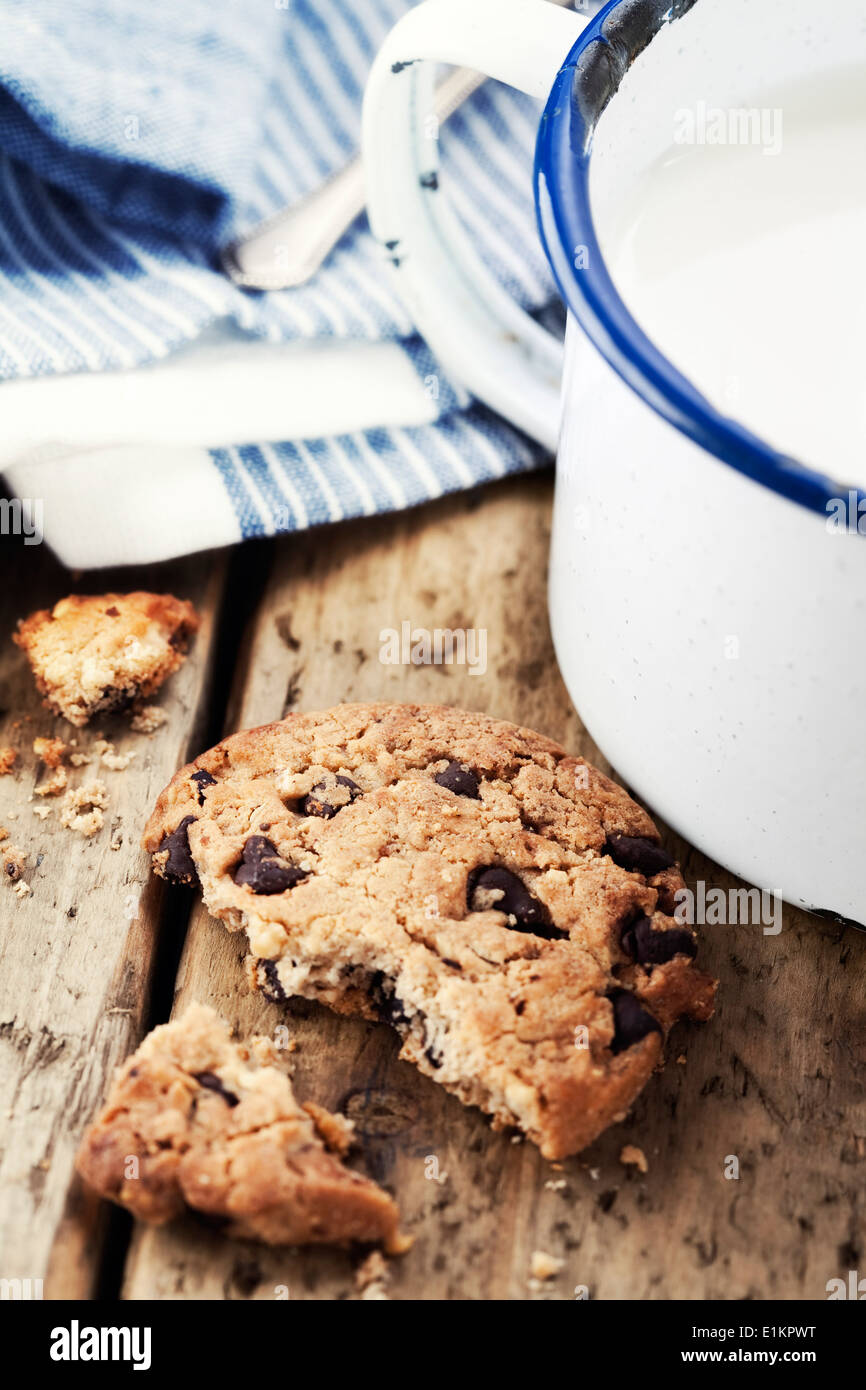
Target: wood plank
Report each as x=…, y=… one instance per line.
x=777, y=1079
x=77, y=954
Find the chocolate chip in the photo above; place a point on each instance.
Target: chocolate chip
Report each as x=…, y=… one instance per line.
x=639, y=854
x=386, y=1003
x=211, y=1082
x=263, y=870
x=316, y=802
x=272, y=986
x=628, y=935
x=202, y=779
x=259, y=847
x=179, y=867
x=500, y=889
x=458, y=779
x=651, y=947
x=434, y=1060
x=112, y=612
x=631, y=1022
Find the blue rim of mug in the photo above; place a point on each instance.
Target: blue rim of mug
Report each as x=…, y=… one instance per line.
x=562, y=162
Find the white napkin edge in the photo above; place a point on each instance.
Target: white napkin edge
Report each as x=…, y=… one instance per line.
x=116, y=463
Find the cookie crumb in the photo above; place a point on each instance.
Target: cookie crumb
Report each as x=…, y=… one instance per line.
x=43, y=812
x=14, y=860
x=681, y=1060
x=631, y=1156
x=22, y=889
x=556, y=1185
x=50, y=751
x=8, y=759
x=544, y=1266
x=337, y=1132
x=83, y=807
x=55, y=784
x=148, y=719
x=110, y=758
x=4, y=833
x=79, y=759
x=261, y=1049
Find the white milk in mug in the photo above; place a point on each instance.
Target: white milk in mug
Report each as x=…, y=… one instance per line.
x=742, y=255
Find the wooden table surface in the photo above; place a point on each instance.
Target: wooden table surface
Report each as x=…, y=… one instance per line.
x=100, y=951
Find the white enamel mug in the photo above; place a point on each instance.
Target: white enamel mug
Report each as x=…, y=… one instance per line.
x=708, y=622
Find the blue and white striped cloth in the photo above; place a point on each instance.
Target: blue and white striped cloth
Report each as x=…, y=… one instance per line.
x=138, y=139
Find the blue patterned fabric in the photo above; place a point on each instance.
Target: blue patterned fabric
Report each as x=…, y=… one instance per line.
x=137, y=139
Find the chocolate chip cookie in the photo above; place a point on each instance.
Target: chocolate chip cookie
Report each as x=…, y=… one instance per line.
x=503, y=905
x=97, y=653
x=195, y=1120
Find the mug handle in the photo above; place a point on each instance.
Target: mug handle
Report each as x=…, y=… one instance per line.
x=491, y=345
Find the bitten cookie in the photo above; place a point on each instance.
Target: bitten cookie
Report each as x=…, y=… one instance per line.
x=502, y=904
x=91, y=655
x=195, y=1120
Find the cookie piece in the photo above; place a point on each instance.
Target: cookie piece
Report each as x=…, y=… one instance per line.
x=503, y=905
x=196, y=1120
x=92, y=655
